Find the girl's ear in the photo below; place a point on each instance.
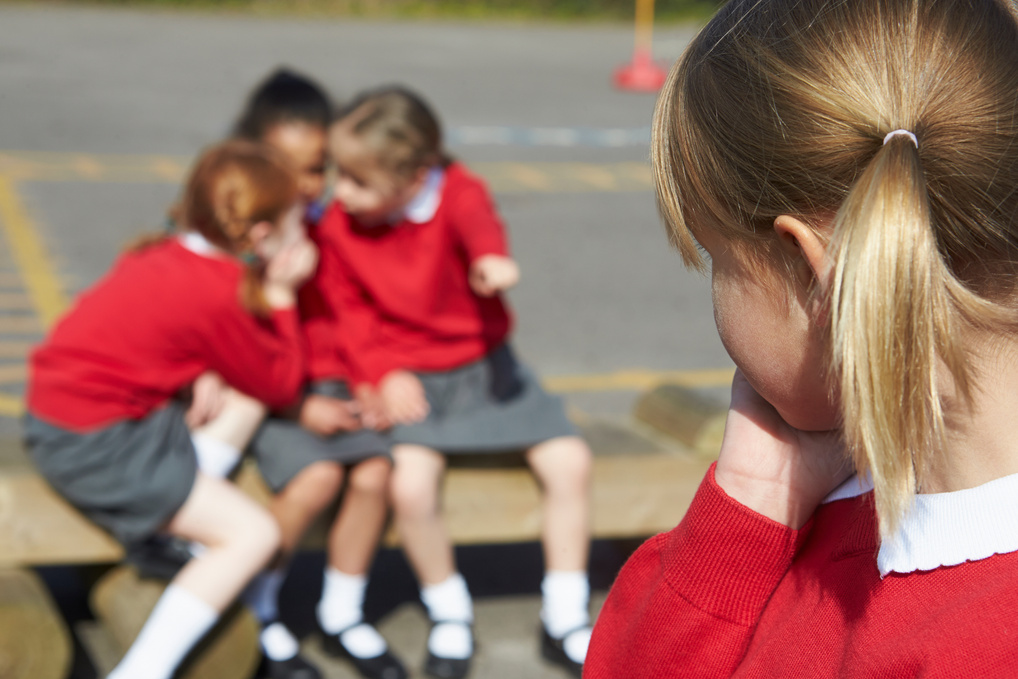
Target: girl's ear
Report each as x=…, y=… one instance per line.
x=807, y=251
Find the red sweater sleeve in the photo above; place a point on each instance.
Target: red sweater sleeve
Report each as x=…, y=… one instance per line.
x=238, y=341
x=475, y=219
x=359, y=334
x=687, y=602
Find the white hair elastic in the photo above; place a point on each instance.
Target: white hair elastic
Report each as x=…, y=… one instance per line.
x=904, y=133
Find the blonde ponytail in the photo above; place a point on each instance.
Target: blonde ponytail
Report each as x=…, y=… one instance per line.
x=891, y=322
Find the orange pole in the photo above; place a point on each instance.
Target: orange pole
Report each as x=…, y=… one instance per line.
x=644, y=26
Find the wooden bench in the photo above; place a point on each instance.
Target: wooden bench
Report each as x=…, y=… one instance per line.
x=642, y=484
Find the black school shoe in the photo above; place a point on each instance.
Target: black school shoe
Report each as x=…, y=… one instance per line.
x=293, y=668
x=160, y=556
x=553, y=650
x=437, y=667
x=385, y=666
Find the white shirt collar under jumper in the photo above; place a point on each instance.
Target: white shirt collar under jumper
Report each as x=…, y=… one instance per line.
x=422, y=207
x=947, y=529
x=199, y=244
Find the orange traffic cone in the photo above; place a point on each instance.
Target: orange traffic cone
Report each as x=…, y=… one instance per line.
x=642, y=74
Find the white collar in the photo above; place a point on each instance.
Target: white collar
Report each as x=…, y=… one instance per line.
x=423, y=206
x=199, y=244
x=946, y=529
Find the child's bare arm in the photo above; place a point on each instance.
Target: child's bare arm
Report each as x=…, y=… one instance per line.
x=492, y=274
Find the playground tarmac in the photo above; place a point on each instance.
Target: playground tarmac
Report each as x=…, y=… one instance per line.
x=104, y=108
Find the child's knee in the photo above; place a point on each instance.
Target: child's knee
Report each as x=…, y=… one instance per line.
x=371, y=477
x=260, y=537
x=413, y=496
x=564, y=464
x=242, y=404
x=316, y=485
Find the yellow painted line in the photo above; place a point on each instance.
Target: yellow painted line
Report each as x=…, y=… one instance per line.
x=31, y=256
x=638, y=380
x=13, y=373
x=508, y=177
x=11, y=406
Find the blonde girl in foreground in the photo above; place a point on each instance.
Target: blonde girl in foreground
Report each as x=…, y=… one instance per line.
x=850, y=170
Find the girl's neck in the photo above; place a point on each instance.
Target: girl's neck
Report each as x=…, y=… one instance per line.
x=980, y=443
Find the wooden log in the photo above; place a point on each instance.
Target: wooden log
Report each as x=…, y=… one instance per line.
x=34, y=641
x=38, y=527
x=639, y=488
x=122, y=602
x=686, y=415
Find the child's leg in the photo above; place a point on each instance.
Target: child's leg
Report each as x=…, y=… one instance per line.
x=563, y=467
x=240, y=537
x=416, y=481
x=294, y=508
x=352, y=543
x=220, y=442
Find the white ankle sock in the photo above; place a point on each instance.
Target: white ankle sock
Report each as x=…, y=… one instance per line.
x=451, y=640
x=278, y=643
x=342, y=602
x=565, y=601
x=363, y=641
x=175, y=625
x=215, y=458
x=575, y=645
x=262, y=596
x=449, y=602
x=342, y=607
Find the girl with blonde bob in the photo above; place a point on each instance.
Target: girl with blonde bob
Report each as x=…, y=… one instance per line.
x=849, y=168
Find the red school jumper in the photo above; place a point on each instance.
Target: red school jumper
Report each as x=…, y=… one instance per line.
x=160, y=318
x=730, y=593
x=402, y=288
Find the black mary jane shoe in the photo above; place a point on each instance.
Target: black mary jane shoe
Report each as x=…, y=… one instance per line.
x=438, y=667
x=293, y=668
x=553, y=650
x=160, y=556
x=384, y=666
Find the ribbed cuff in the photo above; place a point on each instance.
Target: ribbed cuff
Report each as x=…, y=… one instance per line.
x=726, y=559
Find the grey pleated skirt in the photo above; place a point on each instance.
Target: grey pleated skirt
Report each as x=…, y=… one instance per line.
x=494, y=405
x=283, y=448
x=130, y=477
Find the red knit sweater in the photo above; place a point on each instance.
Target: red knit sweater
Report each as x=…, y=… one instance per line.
x=402, y=289
x=731, y=593
x=319, y=317
x=157, y=320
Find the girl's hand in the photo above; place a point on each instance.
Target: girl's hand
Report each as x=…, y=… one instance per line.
x=403, y=396
x=373, y=415
x=287, y=270
x=775, y=470
x=208, y=396
x=492, y=274
x=326, y=416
